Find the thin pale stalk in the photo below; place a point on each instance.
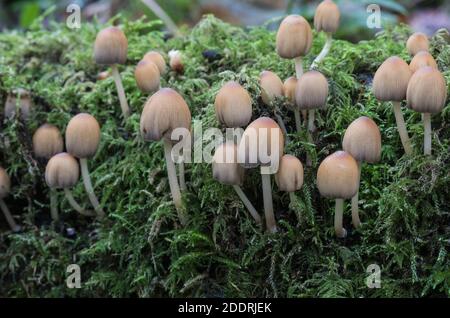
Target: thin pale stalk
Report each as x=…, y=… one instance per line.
x=427, y=134
x=74, y=204
x=161, y=14
x=247, y=204
x=311, y=127
x=282, y=126
x=89, y=189
x=401, y=126
x=355, y=209
x=325, y=50
x=298, y=66
x=54, y=205
x=120, y=92
x=338, y=215
x=268, y=204
x=298, y=124
x=12, y=224
x=182, y=178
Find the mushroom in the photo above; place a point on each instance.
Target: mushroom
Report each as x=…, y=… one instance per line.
x=158, y=59
x=233, y=105
x=262, y=144
x=389, y=84
x=427, y=93
x=111, y=46
x=5, y=186
x=165, y=111
x=18, y=98
x=47, y=141
x=82, y=140
x=62, y=172
x=416, y=43
x=338, y=178
x=421, y=59
x=289, y=92
x=289, y=177
x=362, y=140
x=147, y=76
x=176, y=61
x=326, y=19
x=227, y=171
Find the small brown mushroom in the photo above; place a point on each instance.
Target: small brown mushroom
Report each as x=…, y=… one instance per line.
x=290, y=85
x=147, y=76
x=5, y=187
x=176, y=61
x=47, y=141
x=416, y=43
x=19, y=101
x=233, y=105
x=421, y=59
x=158, y=59
x=289, y=177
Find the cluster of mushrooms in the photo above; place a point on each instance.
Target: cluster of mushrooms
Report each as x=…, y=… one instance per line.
x=165, y=110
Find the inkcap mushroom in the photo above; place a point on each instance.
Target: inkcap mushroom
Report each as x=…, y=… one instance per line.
x=417, y=42
x=289, y=177
x=421, y=59
x=47, y=141
x=158, y=59
x=233, y=105
x=147, y=76
x=5, y=187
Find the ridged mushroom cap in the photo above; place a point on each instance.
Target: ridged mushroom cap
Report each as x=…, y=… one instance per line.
x=158, y=59
x=225, y=167
x=176, y=61
x=289, y=177
x=327, y=17
x=391, y=80
x=338, y=176
x=427, y=91
x=165, y=111
x=5, y=183
x=147, y=76
x=111, y=47
x=362, y=140
x=25, y=105
x=233, y=105
x=294, y=37
x=82, y=136
x=47, y=141
x=62, y=171
x=289, y=88
x=311, y=91
x=271, y=86
x=422, y=59
x=417, y=42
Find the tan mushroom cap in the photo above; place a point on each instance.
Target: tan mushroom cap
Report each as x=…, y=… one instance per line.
x=158, y=59
x=271, y=86
x=111, y=46
x=225, y=167
x=62, y=171
x=5, y=183
x=327, y=17
x=338, y=176
x=289, y=88
x=147, y=76
x=47, y=141
x=82, y=136
x=233, y=105
x=417, y=42
x=165, y=111
x=19, y=99
x=362, y=140
x=427, y=91
x=422, y=59
x=176, y=61
x=391, y=80
x=289, y=177
x=311, y=91
x=294, y=37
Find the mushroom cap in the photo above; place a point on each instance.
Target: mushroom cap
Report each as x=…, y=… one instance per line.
x=163, y=112
x=176, y=61
x=225, y=167
x=311, y=90
x=156, y=58
x=289, y=177
x=417, y=42
x=427, y=91
x=82, y=136
x=362, y=140
x=147, y=76
x=47, y=141
x=271, y=86
x=421, y=59
x=338, y=176
x=62, y=171
x=289, y=88
x=5, y=183
x=391, y=80
x=25, y=104
x=294, y=37
x=111, y=46
x=233, y=105
x=327, y=17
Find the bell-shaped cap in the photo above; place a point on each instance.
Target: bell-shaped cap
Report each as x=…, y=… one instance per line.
x=362, y=140
x=225, y=167
x=147, y=76
x=62, y=171
x=327, y=17
x=289, y=177
x=5, y=183
x=422, y=59
x=111, y=47
x=82, y=136
x=165, y=111
x=233, y=105
x=271, y=86
x=47, y=141
x=338, y=176
x=158, y=59
x=294, y=37
x=391, y=80
x=416, y=43
x=289, y=88
x=19, y=100
x=427, y=91
x=311, y=91
x=176, y=61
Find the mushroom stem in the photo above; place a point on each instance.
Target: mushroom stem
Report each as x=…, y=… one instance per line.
x=173, y=182
x=305, y=117
x=326, y=48
x=338, y=228
x=161, y=14
x=281, y=124
x=298, y=66
x=247, y=204
x=12, y=224
x=89, y=189
x=268, y=205
x=311, y=127
x=402, y=128
x=120, y=91
x=182, y=178
x=427, y=134
x=355, y=210
x=298, y=123
x=292, y=197
x=74, y=204
x=54, y=205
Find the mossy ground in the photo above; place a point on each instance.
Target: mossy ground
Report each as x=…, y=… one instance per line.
x=140, y=250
